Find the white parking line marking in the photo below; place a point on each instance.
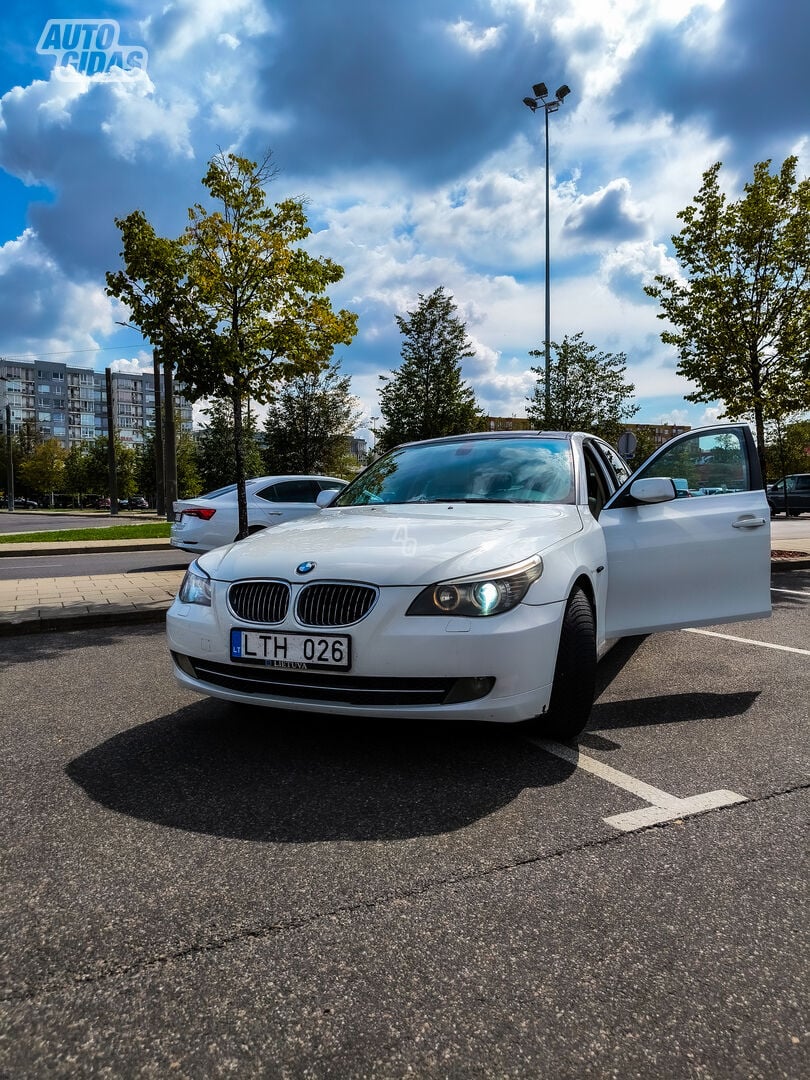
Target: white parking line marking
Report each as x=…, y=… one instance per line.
x=792, y=592
x=747, y=641
x=665, y=807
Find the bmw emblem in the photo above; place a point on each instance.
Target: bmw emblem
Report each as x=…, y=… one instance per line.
x=305, y=567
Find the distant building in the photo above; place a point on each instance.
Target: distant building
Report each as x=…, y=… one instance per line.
x=70, y=403
x=659, y=433
x=508, y=423
x=358, y=448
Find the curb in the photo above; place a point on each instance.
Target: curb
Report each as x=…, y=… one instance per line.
x=85, y=547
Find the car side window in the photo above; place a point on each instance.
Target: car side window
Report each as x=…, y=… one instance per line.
x=712, y=463
x=618, y=467
x=598, y=489
x=291, y=491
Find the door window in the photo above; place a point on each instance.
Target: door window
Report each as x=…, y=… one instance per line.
x=291, y=491
x=599, y=491
x=712, y=463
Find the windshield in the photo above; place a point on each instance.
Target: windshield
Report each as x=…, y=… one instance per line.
x=474, y=470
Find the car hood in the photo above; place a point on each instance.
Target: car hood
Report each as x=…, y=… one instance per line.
x=402, y=545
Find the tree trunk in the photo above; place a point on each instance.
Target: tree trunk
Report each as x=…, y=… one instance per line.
x=239, y=455
x=759, y=422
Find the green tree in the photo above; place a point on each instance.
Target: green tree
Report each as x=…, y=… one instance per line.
x=189, y=483
x=740, y=312
x=645, y=445
x=788, y=448
x=588, y=390
x=24, y=443
x=216, y=456
x=188, y=478
x=44, y=469
x=96, y=466
x=310, y=422
x=426, y=397
x=75, y=479
x=26, y=439
x=236, y=303
x=145, y=477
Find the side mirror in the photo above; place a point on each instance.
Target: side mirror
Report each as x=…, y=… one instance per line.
x=325, y=498
x=655, y=489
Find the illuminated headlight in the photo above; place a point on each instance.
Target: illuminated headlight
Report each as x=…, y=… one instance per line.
x=195, y=587
x=484, y=594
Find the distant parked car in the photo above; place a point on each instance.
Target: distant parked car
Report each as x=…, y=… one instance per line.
x=25, y=504
x=791, y=494
x=138, y=502
x=213, y=520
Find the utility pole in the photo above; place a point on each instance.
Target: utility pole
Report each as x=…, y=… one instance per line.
x=160, y=492
x=9, y=451
x=169, y=444
x=111, y=446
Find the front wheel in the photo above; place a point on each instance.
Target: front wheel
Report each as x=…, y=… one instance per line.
x=574, y=685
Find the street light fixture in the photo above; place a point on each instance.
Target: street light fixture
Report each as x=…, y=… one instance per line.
x=541, y=100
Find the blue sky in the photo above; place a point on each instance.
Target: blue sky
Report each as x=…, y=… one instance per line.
x=401, y=123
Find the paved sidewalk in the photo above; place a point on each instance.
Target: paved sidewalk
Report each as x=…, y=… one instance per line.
x=68, y=603
x=33, y=605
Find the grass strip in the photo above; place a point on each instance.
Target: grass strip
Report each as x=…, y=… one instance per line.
x=154, y=530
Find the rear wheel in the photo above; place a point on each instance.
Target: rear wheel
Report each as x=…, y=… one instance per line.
x=575, y=673
x=251, y=530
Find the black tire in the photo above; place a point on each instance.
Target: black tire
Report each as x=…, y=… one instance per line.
x=251, y=530
x=575, y=673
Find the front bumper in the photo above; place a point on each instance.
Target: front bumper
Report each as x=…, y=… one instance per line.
x=496, y=669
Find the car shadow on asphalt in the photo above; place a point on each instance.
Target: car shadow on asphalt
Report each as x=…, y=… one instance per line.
x=50, y=644
x=675, y=708
x=265, y=775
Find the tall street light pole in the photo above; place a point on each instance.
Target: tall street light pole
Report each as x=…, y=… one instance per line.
x=542, y=101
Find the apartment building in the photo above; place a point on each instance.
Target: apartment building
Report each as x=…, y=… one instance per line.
x=70, y=403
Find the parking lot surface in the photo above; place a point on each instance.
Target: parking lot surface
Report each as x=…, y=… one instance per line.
x=198, y=890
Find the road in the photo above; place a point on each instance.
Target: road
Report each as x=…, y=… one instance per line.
x=192, y=889
x=18, y=568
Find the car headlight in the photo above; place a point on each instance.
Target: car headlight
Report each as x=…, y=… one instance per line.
x=195, y=587
x=484, y=594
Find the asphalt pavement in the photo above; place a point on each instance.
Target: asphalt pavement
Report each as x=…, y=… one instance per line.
x=40, y=604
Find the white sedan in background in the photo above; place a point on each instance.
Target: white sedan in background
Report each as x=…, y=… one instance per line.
x=479, y=577
x=212, y=520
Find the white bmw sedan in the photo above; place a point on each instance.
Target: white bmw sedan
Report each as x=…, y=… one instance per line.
x=479, y=577
x=211, y=520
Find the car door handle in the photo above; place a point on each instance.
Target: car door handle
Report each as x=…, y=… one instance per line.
x=748, y=523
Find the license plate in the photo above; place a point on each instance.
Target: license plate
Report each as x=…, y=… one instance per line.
x=294, y=652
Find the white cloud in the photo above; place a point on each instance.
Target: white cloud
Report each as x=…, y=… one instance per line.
x=135, y=365
x=473, y=38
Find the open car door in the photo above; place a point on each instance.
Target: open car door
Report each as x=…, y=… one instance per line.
x=689, y=559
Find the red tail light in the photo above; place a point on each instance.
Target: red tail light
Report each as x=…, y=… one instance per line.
x=200, y=512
